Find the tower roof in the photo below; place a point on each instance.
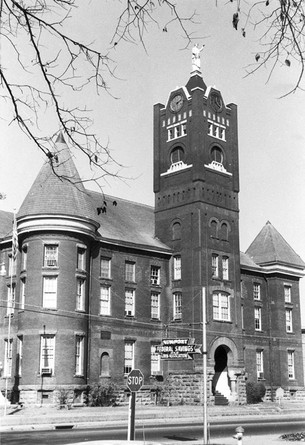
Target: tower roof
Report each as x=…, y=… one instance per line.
x=57, y=189
x=269, y=247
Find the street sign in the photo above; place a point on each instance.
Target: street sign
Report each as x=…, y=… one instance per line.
x=135, y=380
x=178, y=348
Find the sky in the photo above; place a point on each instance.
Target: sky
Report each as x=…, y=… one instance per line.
x=271, y=130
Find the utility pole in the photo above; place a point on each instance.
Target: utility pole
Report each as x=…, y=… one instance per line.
x=204, y=370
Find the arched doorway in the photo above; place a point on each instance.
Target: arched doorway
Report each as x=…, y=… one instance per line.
x=221, y=383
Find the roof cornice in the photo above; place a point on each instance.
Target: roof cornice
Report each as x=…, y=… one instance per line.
x=67, y=223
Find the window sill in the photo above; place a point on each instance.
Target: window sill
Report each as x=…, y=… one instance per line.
x=223, y=321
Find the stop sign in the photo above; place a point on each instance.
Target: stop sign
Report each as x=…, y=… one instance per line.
x=135, y=380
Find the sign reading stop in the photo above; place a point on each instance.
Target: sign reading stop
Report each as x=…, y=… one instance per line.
x=135, y=380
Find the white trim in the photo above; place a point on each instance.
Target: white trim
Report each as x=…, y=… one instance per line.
x=56, y=223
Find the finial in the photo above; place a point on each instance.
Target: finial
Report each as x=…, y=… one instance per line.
x=196, y=57
x=60, y=138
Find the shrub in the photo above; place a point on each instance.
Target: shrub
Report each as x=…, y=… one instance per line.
x=255, y=392
x=63, y=398
x=102, y=395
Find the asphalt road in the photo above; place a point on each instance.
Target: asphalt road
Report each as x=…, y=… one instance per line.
x=171, y=432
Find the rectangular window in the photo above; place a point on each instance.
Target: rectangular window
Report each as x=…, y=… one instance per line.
x=12, y=264
x=24, y=257
x=50, y=255
x=225, y=268
x=79, y=354
x=49, y=298
x=22, y=293
x=178, y=131
x=290, y=358
x=130, y=302
x=177, y=306
x=177, y=267
x=81, y=258
x=260, y=364
x=287, y=293
x=170, y=133
x=80, y=294
x=130, y=269
x=258, y=318
x=221, y=307
x=183, y=129
x=8, y=357
x=155, y=305
x=215, y=265
x=128, y=357
x=155, y=361
x=19, y=355
x=256, y=291
x=105, y=267
x=11, y=298
x=288, y=320
x=155, y=275
x=242, y=316
x=47, y=354
x=105, y=300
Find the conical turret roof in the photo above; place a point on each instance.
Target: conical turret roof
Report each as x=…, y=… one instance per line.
x=269, y=247
x=57, y=189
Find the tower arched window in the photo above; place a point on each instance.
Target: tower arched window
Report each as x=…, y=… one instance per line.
x=105, y=364
x=177, y=155
x=176, y=231
x=214, y=228
x=224, y=231
x=217, y=155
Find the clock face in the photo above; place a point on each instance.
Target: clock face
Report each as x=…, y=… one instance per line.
x=176, y=103
x=216, y=102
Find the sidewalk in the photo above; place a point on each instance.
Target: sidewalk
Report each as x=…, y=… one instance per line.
x=44, y=417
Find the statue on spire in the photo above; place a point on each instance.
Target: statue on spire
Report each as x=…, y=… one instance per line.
x=196, y=57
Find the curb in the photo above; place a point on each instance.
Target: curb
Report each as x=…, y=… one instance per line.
x=122, y=421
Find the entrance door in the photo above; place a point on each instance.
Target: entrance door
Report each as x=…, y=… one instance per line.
x=220, y=385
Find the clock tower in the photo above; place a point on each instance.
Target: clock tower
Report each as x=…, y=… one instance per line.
x=196, y=186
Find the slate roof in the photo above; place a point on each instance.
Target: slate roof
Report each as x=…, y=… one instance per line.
x=53, y=195
x=246, y=261
x=6, y=223
x=270, y=247
x=127, y=222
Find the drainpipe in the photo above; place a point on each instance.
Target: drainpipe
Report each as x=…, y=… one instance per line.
x=270, y=338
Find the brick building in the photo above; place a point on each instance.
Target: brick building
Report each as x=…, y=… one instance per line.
x=98, y=281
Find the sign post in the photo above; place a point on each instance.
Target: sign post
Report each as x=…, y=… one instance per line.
x=135, y=380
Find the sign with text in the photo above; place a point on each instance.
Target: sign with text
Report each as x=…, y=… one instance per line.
x=135, y=380
x=178, y=348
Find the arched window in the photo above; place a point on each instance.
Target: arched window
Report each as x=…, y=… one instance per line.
x=105, y=366
x=214, y=228
x=217, y=155
x=224, y=231
x=177, y=155
x=176, y=231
